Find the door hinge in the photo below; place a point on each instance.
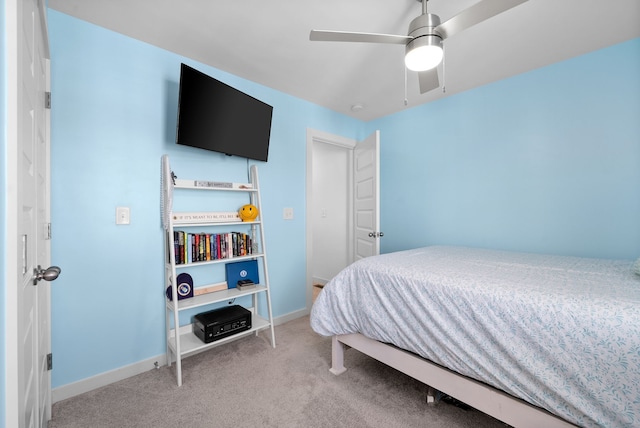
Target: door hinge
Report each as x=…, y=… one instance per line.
x=47, y=100
x=47, y=232
x=49, y=361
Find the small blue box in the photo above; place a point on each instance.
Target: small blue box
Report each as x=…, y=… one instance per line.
x=237, y=271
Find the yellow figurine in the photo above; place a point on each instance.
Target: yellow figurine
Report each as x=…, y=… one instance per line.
x=248, y=212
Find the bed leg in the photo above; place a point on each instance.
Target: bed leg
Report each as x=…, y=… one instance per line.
x=431, y=395
x=337, y=356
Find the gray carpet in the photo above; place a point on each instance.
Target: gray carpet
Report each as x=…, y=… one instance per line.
x=246, y=383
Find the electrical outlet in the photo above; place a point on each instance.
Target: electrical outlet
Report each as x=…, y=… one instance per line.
x=123, y=215
x=287, y=213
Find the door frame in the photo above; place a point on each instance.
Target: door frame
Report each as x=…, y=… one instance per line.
x=316, y=136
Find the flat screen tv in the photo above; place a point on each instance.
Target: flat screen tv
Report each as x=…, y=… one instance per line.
x=214, y=116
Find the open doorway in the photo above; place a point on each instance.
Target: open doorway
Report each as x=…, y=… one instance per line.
x=329, y=208
x=343, y=194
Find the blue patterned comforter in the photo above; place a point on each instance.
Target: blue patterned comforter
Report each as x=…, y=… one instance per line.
x=562, y=333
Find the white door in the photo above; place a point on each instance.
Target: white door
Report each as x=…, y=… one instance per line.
x=28, y=392
x=367, y=196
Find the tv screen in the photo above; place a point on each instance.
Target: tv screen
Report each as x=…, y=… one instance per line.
x=214, y=116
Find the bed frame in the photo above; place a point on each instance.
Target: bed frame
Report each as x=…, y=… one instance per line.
x=487, y=399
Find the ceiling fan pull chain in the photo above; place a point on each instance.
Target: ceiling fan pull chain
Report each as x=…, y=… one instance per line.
x=406, y=102
x=444, y=74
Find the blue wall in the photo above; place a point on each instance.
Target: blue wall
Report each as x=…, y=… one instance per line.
x=114, y=115
x=547, y=161
x=3, y=207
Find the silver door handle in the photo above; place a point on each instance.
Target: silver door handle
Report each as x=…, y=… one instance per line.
x=48, y=275
x=376, y=234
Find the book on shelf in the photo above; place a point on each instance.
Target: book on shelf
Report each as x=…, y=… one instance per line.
x=202, y=247
x=179, y=246
x=206, y=217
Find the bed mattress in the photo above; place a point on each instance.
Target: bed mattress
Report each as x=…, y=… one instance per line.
x=562, y=333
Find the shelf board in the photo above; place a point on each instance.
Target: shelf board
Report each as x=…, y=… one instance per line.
x=226, y=260
x=191, y=184
x=215, y=297
x=212, y=223
x=190, y=343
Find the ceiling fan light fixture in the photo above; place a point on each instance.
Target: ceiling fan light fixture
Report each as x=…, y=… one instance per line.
x=424, y=53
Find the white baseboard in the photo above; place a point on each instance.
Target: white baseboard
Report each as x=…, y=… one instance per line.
x=85, y=385
x=290, y=317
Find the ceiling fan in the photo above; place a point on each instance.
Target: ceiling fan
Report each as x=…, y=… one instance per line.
x=423, y=44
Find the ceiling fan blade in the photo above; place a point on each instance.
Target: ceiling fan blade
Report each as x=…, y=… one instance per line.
x=475, y=14
x=428, y=80
x=348, y=36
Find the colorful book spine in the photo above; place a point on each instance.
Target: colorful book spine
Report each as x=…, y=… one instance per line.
x=202, y=247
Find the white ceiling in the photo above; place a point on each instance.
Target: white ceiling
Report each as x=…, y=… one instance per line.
x=267, y=42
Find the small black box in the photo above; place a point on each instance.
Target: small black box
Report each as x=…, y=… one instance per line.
x=220, y=323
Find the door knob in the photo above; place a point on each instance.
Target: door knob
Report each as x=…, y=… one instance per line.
x=47, y=274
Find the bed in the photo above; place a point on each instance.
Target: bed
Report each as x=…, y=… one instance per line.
x=533, y=340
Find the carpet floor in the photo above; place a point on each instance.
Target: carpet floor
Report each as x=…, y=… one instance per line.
x=247, y=383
